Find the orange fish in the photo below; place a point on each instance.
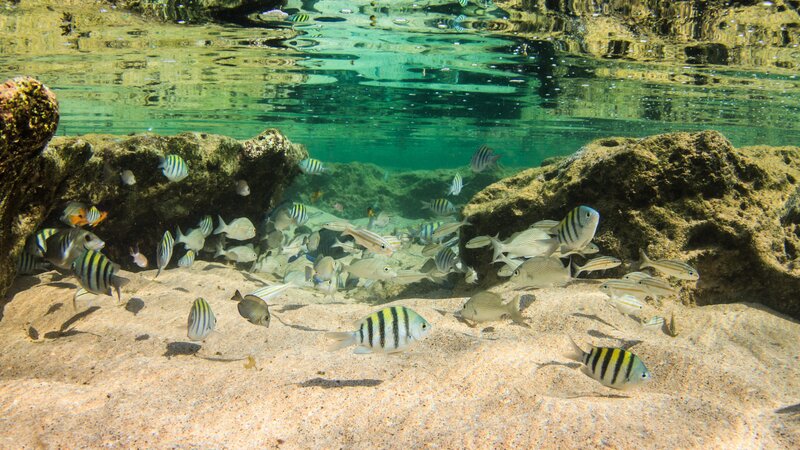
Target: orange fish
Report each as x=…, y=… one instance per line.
x=92, y=217
x=316, y=196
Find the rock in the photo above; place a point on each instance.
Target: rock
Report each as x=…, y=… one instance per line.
x=28, y=119
x=731, y=213
x=198, y=11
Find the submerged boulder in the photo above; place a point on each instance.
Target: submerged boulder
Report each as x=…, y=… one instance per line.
x=731, y=213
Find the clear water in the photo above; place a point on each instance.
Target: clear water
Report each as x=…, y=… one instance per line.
x=398, y=85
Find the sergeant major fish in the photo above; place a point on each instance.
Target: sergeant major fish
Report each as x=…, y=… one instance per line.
x=173, y=167
x=389, y=330
x=201, y=320
x=456, y=185
x=164, y=252
x=577, y=228
x=311, y=166
x=97, y=274
x=483, y=158
x=612, y=367
x=187, y=259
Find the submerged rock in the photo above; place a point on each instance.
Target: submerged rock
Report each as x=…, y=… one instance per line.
x=731, y=213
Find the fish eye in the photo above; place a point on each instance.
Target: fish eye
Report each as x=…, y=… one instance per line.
x=516, y=272
x=386, y=269
x=424, y=326
x=644, y=375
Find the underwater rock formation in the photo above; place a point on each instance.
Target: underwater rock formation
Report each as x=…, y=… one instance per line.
x=731, y=213
x=28, y=119
x=197, y=11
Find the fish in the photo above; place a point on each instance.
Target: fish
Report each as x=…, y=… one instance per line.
x=300, y=17
x=471, y=276
x=194, y=240
x=456, y=185
x=201, y=321
x=636, y=276
x=654, y=324
x=324, y=269
x=206, y=225
x=173, y=167
x=511, y=264
x=127, y=177
x=671, y=267
x=275, y=239
x=315, y=196
x=431, y=249
x=275, y=13
x=487, y=307
x=187, y=259
x=541, y=272
x=546, y=225
x=370, y=240
x=478, y=242
x=338, y=207
x=271, y=291
x=657, y=287
x=440, y=207
x=138, y=258
x=242, y=188
x=65, y=246
x=426, y=230
x=614, y=288
x=394, y=242
x=626, y=303
x=347, y=246
x=28, y=264
x=577, y=228
x=92, y=217
x=599, y=263
x=454, y=23
x=370, y=269
x=240, y=229
x=164, y=252
x=252, y=308
x=389, y=330
x=445, y=229
x=311, y=166
x=298, y=213
x=73, y=213
x=612, y=367
x=97, y=274
x=446, y=260
x=240, y=253
x=526, y=245
x=463, y=3
x=294, y=246
x=313, y=241
x=282, y=219
x=36, y=244
x=483, y=159
x=410, y=276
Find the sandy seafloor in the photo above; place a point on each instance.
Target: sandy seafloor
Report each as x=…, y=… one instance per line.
x=731, y=379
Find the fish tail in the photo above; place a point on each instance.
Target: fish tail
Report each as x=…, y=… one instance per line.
x=220, y=250
x=118, y=281
x=575, y=353
x=514, y=312
x=162, y=161
x=644, y=260
x=221, y=227
x=552, y=246
x=342, y=339
x=102, y=217
x=178, y=234
x=496, y=245
x=575, y=269
x=309, y=273
x=237, y=296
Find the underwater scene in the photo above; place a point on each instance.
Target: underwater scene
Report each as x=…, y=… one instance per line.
x=400, y=224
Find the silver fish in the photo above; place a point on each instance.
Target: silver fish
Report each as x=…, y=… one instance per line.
x=546, y=225
x=478, y=242
x=410, y=276
x=240, y=253
x=275, y=239
x=127, y=177
x=252, y=308
x=626, y=303
x=673, y=268
x=242, y=188
x=541, y=272
x=313, y=241
x=173, y=167
x=525, y=246
x=612, y=367
x=370, y=269
x=654, y=324
x=370, y=240
x=636, y=276
x=616, y=288
x=194, y=240
x=446, y=229
x=65, y=246
x=599, y=263
x=187, y=259
x=271, y=291
x=201, y=320
x=324, y=269
x=389, y=330
x=240, y=229
x=657, y=287
x=138, y=258
x=487, y=307
x=347, y=246
x=471, y=276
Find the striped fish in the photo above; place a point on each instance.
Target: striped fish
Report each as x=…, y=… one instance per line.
x=389, y=330
x=206, y=225
x=576, y=230
x=28, y=264
x=201, y=320
x=671, y=267
x=298, y=213
x=456, y=185
x=654, y=324
x=97, y=273
x=94, y=216
x=299, y=17
x=616, y=288
x=657, y=287
x=463, y=2
x=370, y=240
x=626, y=303
x=440, y=207
x=311, y=166
x=483, y=158
x=187, y=259
x=446, y=259
x=599, y=263
x=426, y=230
x=269, y=292
x=636, y=276
x=446, y=229
x=164, y=252
x=612, y=367
x=36, y=244
x=173, y=167
x=65, y=246
x=478, y=242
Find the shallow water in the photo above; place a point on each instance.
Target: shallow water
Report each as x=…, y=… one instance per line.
x=404, y=86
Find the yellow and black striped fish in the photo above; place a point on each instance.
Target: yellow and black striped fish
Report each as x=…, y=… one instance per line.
x=577, y=229
x=299, y=17
x=298, y=213
x=201, y=320
x=440, y=207
x=389, y=330
x=311, y=166
x=206, y=225
x=612, y=367
x=28, y=264
x=37, y=243
x=97, y=273
x=174, y=167
x=164, y=251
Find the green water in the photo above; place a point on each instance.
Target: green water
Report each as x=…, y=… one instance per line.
x=407, y=89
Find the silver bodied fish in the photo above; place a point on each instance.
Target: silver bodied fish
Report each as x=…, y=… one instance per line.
x=673, y=268
x=445, y=229
x=269, y=292
x=252, y=308
x=324, y=269
x=370, y=269
x=65, y=246
x=194, y=240
x=370, y=240
x=478, y=242
x=636, y=276
x=483, y=158
x=311, y=166
x=626, y=303
x=240, y=253
x=28, y=264
x=616, y=288
x=657, y=287
x=526, y=245
x=201, y=321
x=440, y=207
x=127, y=177
x=36, y=244
x=97, y=274
x=654, y=324
x=173, y=167
x=242, y=188
x=541, y=272
x=164, y=252
x=612, y=367
x=206, y=225
x=298, y=213
x=389, y=330
x=240, y=229
x=456, y=185
x=546, y=225
x=426, y=230
x=595, y=264
x=446, y=260
x=577, y=229
x=187, y=259
x=488, y=306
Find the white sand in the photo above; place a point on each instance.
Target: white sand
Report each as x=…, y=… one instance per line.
x=718, y=384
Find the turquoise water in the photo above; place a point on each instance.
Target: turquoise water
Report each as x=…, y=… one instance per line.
x=397, y=85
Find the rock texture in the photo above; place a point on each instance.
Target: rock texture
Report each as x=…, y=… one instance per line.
x=28, y=119
x=197, y=11
x=732, y=213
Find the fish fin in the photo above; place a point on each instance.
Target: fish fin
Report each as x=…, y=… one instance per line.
x=219, y=250
x=157, y=273
x=118, y=281
x=237, y=296
x=178, y=234
x=221, y=226
x=341, y=339
x=496, y=245
x=309, y=273
x=644, y=260
x=162, y=161
x=361, y=350
x=575, y=268
x=513, y=310
x=575, y=353
x=369, y=283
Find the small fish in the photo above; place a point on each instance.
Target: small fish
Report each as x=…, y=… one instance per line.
x=73, y=213
x=626, y=303
x=541, y=272
x=36, y=244
x=206, y=225
x=194, y=240
x=97, y=273
x=578, y=228
x=511, y=264
x=138, y=258
x=65, y=246
x=426, y=230
x=324, y=269
x=527, y=245
x=599, y=263
x=164, y=251
x=446, y=260
x=252, y=308
x=614, y=288
x=240, y=253
x=440, y=207
x=173, y=167
x=338, y=207
x=671, y=267
x=389, y=330
x=281, y=219
x=313, y=241
x=240, y=229
x=242, y=188
x=456, y=185
x=478, y=242
x=463, y=3
x=315, y=196
x=446, y=229
x=431, y=249
x=612, y=367
x=636, y=276
x=271, y=291
x=275, y=239
x=311, y=166
x=28, y=264
x=471, y=276
x=383, y=219
x=370, y=240
x=201, y=321
x=672, y=327
x=187, y=259
x=92, y=217
x=483, y=158
x=410, y=276
x=347, y=246
x=487, y=307
x=548, y=226
x=370, y=269
x=657, y=287
x=654, y=324
x=298, y=213
x=300, y=17
x=127, y=177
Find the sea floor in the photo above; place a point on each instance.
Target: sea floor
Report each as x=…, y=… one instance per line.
x=125, y=375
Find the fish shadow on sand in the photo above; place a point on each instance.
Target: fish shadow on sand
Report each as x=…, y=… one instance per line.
x=571, y=365
x=593, y=317
x=624, y=344
x=325, y=383
x=134, y=305
x=54, y=308
x=63, y=285
x=64, y=330
x=180, y=289
x=181, y=349
x=794, y=410
x=285, y=308
x=296, y=327
x=214, y=266
x=62, y=334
